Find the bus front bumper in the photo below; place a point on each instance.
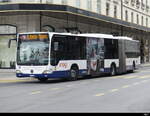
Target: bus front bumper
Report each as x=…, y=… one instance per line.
x=56, y=74
x=59, y=74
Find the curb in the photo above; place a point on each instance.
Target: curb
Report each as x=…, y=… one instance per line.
x=15, y=80
x=7, y=71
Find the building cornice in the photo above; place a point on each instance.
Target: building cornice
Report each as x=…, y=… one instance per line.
x=66, y=9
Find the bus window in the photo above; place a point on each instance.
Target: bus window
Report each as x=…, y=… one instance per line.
x=57, y=55
x=33, y=49
x=111, y=49
x=76, y=48
x=69, y=48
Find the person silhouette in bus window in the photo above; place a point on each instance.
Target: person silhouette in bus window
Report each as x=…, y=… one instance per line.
x=37, y=54
x=32, y=54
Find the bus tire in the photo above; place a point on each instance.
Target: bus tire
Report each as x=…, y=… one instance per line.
x=74, y=73
x=113, y=70
x=42, y=79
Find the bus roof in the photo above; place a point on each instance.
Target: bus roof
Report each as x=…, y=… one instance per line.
x=125, y=38
x=97, y=35
x=107, y=36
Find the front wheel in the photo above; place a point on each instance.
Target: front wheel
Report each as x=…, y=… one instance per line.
x=74, y=72
x=42, y=79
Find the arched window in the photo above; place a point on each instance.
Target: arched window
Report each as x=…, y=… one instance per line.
x=7, y=29
x=48, y=28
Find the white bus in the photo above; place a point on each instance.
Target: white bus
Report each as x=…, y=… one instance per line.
x=45, y=55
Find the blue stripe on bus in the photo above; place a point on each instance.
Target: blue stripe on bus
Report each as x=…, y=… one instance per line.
x=56, y=74
x=108, y=70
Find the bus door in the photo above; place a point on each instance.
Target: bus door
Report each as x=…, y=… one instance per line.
x=95, y=56
x=122, y=57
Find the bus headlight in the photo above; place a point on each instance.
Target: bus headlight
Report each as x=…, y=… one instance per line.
x=18, y=71
x=47, y=71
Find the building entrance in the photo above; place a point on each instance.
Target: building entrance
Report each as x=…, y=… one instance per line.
x=7, y=55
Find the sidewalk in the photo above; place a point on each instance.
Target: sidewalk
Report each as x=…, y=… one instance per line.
x=9, y=75
x=7, y=71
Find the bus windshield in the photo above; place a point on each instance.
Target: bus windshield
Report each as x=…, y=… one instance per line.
x=33, y=49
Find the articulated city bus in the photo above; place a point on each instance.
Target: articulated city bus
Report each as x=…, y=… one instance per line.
x=63, y=55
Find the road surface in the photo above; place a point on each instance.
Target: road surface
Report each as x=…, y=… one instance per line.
x=123, y=93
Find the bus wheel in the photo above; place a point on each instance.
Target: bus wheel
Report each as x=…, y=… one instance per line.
x=74, y=74
x=113, y=70
x=42, y=79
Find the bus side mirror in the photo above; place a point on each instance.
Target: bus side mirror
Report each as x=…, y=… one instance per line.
x=56, y=46
x=9, y=42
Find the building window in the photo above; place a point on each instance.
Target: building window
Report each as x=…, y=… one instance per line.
x=126, y=1
x=146, y=22
x=5, y=1
x=107, y=9
x=64, y=2
x=147, y=6
x=137, y=18
x=132, y=17
x=142, y=20
x=115, y=11
x=89, y=5
x=78, y=3
x=48, y=28
x=137, y=4
x=126, y=15
x=49, y=1
x=99, y=6
x=142, y=5
x=132, y=2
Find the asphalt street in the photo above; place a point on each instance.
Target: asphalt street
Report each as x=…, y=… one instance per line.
x=128, y=93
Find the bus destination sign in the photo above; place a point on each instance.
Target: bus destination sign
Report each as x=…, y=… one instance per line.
x=33, y=37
